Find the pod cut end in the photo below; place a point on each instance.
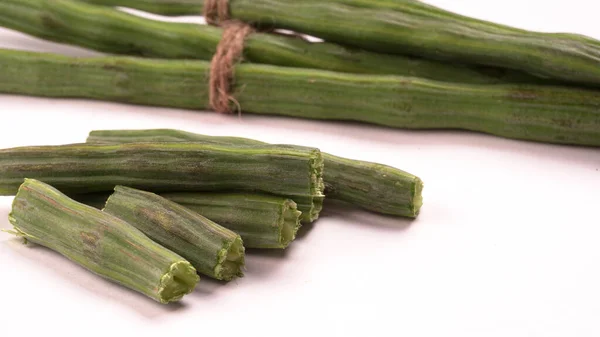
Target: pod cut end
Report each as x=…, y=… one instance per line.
x=310, y=206
x=231, y=261
x=290, y=223
x=178, y=281
x=417, y=196
x=317, y=165
x=317, y=208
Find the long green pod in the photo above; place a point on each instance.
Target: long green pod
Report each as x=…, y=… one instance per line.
x=375, y=187
x=213, y=250
x=100, y=242
x=196, y=7
x=532, y=112
x=263, y=221
x=166, y=167
x=409, y=27
x=112, y=31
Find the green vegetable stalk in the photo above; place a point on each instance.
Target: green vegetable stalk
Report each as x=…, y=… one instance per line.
x=168, y=167
x=375, y=187
x=112, y=31
x=100, y=242
x=410, y=27
x=263, y=221
x=213, y=250
x=551, y=114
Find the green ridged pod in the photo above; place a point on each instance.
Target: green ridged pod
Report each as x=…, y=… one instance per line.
x=263, y=221
x=213, y=250
x=375, y=187
x=409, y=27
x=167, y=167
x=553, y=114
x=100, y=242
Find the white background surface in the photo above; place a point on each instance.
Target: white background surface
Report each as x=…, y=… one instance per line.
x=507, y=243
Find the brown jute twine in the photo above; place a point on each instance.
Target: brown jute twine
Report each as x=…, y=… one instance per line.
x=229, y=53
x=216, y=11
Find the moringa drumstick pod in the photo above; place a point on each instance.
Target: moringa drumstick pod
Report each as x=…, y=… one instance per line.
x=213, y=250
x=112, y=31
x=166, y=167
x=552, y=114
x=100, y=242
x=375, y=187
x=410, y=27
x=262, y=220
